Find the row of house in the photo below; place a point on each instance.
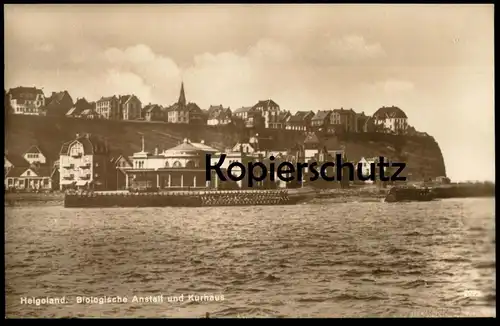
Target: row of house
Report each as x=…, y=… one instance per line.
x=264, y=114
x=86, y=161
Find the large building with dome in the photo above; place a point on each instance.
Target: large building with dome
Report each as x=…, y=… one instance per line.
x=180, y=167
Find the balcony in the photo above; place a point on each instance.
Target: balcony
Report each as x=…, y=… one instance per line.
x=68, y=176
x=68, y=165
x=84, y=165
x=76, y=154
x=85, y=176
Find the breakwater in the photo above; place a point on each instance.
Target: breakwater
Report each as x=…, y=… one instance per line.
x=189, y=198
x=465, y=190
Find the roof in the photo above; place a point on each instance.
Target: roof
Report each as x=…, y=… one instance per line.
x=57, y=96
x=283, y=116
x=185, y=146
x=193, y=108
x=344, y=112
x=115, y=159
x=151, y=107
x=33, y=150
x=215, y=108
x=107, y=98
x=205, y=147
x=219, y=112
x=244, y=109
x=362, y=116
x=72, y=111
x=389, y=112
x=300, y=116
x=88, y=112
x=16, y=172
x=91, y=145
x=311, y=138
x=266, y=104
x=178, y=107
x=126, y=98
x=16, y=160
x=25, y=93
x=321, y=115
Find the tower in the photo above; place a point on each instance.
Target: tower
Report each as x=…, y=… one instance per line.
x=182, y=96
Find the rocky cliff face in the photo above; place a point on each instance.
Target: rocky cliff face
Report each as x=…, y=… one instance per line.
x=422, y=154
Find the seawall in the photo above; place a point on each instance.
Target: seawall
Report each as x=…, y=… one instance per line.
x=422, y=154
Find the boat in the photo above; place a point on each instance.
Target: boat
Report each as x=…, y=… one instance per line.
x=399, y=194
x=189, y=198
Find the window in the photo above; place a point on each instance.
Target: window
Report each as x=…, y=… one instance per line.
x=28, y=173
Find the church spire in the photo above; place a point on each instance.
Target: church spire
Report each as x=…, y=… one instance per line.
x=182, y=96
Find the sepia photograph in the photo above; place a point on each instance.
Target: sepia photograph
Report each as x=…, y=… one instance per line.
x=249, y=161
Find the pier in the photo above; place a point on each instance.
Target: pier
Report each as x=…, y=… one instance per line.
x=188, y=198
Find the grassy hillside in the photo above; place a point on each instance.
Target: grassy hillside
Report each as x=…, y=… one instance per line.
x=422, y=154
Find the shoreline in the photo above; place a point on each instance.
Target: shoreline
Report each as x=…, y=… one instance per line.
x=338, y=195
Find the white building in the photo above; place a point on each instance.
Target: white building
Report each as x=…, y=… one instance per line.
x=83, y=161
x=34, y=155
x=26, y=100
x=392, y=118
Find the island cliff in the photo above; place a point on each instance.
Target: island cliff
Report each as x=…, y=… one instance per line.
x=421, y=153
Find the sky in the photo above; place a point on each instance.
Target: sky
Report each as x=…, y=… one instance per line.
x=435, y=62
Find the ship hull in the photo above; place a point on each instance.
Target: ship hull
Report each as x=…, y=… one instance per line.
x=190, y=199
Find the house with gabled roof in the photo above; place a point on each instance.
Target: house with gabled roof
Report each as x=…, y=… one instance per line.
x=361, y=121
x=344, y=120
x=250, y=116
x=130, y=107
x=26, y=100
x=218, y=115
x=301, y=120
x=392, y=119
x=58, y=104
x=84, y=162
x=30, y=178
x=153, y=112
x=34, y=155
x=321, y=120
x=118, y=165
x=80, y=105
x=270, y=111
x=196, y=114
x=283, y=118
x=109, y=107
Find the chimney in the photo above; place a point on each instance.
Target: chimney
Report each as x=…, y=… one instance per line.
x=77, y=135
x=202, y=141
x=156, y=150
